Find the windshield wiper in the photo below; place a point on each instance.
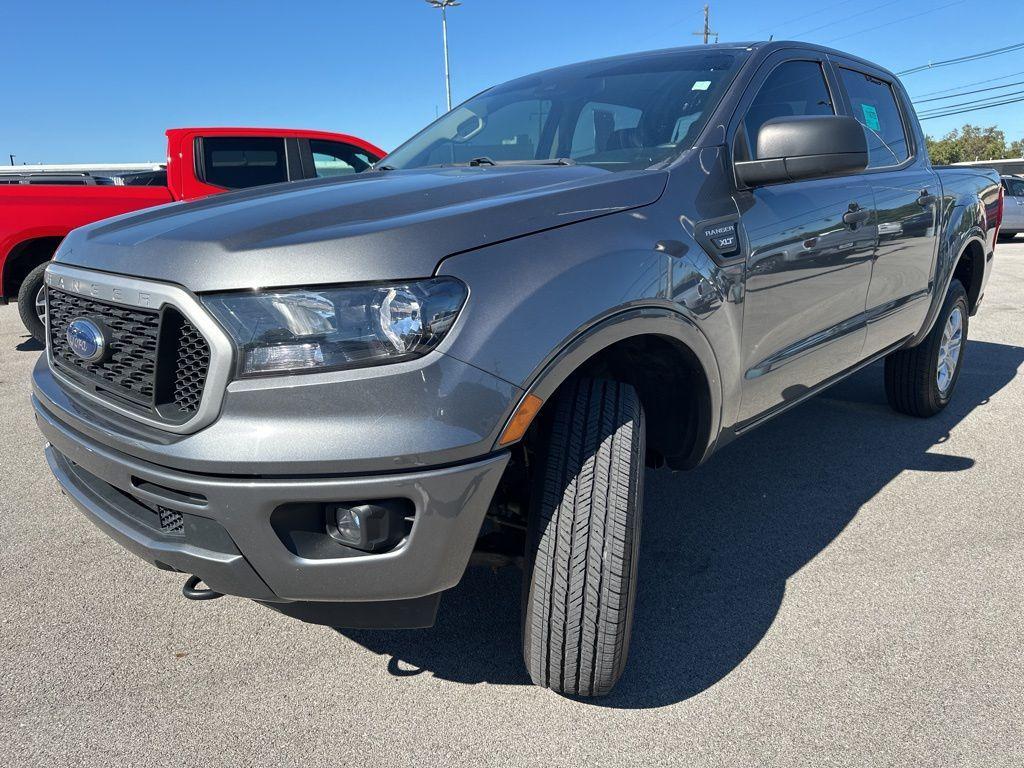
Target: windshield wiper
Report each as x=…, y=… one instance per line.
x=477, y=161
x=384, y=168
x=551, y=161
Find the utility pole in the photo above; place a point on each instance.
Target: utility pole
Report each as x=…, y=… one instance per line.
x=706, y=32
x=444, y=5
x=12, y=159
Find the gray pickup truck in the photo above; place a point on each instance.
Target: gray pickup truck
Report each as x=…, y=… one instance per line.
x=331, y=397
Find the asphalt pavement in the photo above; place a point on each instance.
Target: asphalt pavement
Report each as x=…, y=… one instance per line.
x=844, y=586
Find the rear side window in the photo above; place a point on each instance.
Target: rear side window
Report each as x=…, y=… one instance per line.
x=1014, y=187
x=794, y=88
x=335, y=158
x=874, y=106
x=237, y=162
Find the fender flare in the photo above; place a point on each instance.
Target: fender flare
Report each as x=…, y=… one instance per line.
x=944, y=277
x=629, y=323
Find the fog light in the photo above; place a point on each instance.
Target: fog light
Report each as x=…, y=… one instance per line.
x=371, y=527
x=350, y=525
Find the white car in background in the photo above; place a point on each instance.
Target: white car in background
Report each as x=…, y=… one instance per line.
x=1013, y=207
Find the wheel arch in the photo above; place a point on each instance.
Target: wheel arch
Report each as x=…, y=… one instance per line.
x=969, y=269
x=968, y=243
x=23, y=257
x=670, y=362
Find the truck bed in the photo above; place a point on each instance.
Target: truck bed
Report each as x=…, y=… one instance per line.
x=30, y=211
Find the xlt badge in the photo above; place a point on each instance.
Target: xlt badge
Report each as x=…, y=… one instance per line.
x=720, y=238
x=723, y=237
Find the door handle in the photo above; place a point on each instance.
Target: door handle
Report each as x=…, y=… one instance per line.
x=856, y=215
x=925, y=198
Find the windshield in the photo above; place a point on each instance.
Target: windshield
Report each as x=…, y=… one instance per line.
x=622, y=114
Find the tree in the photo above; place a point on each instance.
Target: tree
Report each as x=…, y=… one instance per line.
x=972, y=142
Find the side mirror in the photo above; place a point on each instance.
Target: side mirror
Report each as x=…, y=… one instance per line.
x=805, y=147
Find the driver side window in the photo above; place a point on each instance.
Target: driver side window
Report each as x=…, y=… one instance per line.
x=793, y=88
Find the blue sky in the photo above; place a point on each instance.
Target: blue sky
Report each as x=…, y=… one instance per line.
x=100, y=82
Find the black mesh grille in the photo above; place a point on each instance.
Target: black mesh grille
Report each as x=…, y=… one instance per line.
x=191, y=365
x=158, y=361
x=170, y=520
x=129, y=368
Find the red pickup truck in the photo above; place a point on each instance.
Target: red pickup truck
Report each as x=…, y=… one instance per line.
x=37, y=210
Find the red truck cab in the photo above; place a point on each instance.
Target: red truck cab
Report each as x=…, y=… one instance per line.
x=37, y=210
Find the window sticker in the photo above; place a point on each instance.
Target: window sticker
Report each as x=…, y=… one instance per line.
x=701, y=85
x=871, y=117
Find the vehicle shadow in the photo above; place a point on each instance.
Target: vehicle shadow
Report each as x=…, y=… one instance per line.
x=719, y=542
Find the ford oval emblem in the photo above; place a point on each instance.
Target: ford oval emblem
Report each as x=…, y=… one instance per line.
x=86, y=339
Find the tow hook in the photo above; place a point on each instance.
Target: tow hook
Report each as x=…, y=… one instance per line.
x=190, y=591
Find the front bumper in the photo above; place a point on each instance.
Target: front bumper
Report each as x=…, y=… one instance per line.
x=249, y=536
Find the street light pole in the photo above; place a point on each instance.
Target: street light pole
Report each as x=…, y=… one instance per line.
x=444, y=5
x=447, y=69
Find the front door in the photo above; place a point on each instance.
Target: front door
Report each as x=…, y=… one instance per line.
x=806, y=279
x=810, y=245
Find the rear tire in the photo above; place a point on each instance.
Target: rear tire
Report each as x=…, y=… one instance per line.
x=914, y=380
x=584, y=537
x=28, y=297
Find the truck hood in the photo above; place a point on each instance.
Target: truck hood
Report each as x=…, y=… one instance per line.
x=376, y=226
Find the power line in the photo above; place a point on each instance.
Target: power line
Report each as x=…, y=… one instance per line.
x=972, y=109
x=967, y=85
x=968, y=93
x=847, y=18
x=971, y=102
x=801, y=17
x=962, y=59
x=896, y=21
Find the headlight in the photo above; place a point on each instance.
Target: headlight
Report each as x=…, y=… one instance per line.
x=316, y=329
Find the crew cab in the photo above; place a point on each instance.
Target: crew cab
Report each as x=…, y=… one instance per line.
x=332, y=397
x=38, y=209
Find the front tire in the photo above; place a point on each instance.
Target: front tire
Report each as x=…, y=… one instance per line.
x=920, y=381
x=30, y=303
x=584, y=537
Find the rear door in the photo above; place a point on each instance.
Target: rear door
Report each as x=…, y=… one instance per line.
x=907, y=193
x=807, y=268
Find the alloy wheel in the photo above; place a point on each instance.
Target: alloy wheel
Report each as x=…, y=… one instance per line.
x=949, y=350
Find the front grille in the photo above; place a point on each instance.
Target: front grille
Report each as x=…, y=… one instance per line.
x=129, y=368
x=191, y=364
x=157, y=360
